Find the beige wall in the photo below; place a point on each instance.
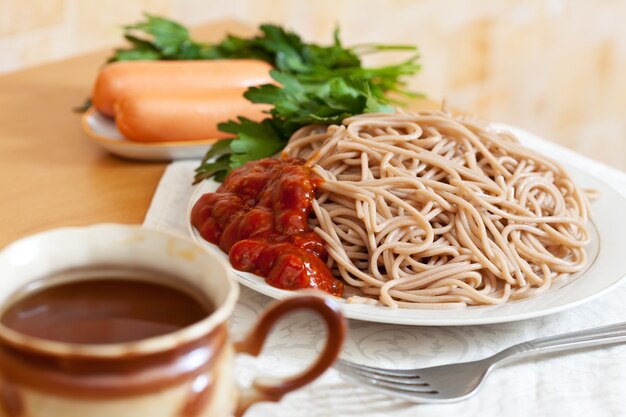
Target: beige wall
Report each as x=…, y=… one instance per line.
x=555, y=67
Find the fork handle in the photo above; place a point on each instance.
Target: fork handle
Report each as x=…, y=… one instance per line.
x=614, y=333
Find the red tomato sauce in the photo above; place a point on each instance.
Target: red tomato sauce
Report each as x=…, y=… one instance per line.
x=259, y=216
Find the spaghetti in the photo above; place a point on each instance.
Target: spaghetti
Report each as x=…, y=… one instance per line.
x=430, y=210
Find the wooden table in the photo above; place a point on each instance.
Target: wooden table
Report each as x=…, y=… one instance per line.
x=51, y=175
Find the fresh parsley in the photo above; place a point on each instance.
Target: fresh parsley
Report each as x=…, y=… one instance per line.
x=159, y=38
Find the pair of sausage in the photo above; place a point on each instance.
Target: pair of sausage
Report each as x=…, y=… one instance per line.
x=155, y=101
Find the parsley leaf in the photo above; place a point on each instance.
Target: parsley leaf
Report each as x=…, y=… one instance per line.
x=141, y=50
x=254, y=141
x=217, y=169
x=246, y=147
x=158, y=38
x=169, y=37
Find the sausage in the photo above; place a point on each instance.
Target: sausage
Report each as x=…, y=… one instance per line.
x=120, y=78
x=169, y=116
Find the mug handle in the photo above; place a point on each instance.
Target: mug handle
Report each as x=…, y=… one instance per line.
x=273, y=389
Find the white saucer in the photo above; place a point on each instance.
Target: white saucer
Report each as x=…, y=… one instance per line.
x=102, y=130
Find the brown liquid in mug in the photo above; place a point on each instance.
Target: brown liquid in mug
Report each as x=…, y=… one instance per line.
x=104, y=311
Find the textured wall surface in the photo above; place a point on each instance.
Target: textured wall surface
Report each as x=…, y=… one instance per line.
x=554, y=67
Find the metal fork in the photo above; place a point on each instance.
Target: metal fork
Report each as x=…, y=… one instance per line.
x=459, y=381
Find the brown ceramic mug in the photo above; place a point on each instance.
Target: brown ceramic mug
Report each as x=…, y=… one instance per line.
x=187, y=373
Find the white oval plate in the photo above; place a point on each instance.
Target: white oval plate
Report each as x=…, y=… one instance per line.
x=102, y=130
x=605, y=270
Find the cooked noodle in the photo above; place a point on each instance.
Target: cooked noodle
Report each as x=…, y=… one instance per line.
x=429, y=210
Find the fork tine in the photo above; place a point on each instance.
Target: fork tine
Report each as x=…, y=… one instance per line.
x=397, y=380
x=377, y=371
x=393, y=387
x=406, y=380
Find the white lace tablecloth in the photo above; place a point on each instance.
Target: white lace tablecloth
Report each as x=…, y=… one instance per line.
x=587, y=383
